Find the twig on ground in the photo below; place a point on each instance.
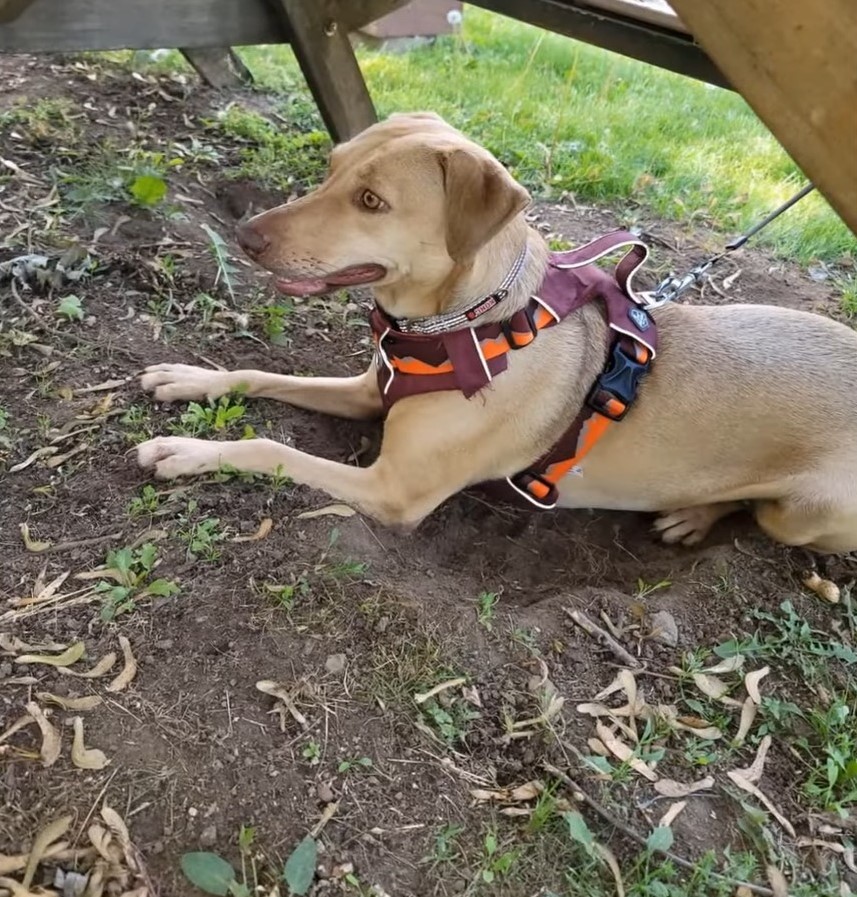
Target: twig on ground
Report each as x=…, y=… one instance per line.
x=81, y=543
x=581, y=796
x=602, y=636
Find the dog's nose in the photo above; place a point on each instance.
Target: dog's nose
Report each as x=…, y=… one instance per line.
x=252, y=241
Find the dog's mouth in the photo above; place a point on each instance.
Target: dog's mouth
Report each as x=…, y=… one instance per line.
x=352, y=276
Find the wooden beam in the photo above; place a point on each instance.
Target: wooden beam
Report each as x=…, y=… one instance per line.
x=219, y=67
x=794, y=63
x=611, y=26
x=67, y=26
x=326, y=57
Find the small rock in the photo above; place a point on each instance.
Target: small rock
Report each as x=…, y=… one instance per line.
x=335, y=664
x=192, y=812
x=325, y=793
x=664, y=628
x=208, y=837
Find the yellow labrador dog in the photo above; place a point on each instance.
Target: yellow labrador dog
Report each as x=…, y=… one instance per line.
x=743, y=404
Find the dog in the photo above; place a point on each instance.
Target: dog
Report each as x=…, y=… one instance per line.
x=744, y=405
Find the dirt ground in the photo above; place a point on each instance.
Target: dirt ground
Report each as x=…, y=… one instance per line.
x=352, y=619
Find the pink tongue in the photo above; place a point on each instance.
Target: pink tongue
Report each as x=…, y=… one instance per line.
x=356, y=274
x=301, y=287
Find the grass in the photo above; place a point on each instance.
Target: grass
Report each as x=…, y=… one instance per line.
x=567, y=117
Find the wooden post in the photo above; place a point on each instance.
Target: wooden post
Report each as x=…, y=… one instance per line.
x=324, y=52
x=219, y=67
x=794, y=63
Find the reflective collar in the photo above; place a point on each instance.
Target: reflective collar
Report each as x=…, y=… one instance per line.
x=456, y=320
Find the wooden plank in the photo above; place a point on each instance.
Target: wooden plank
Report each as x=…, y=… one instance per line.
x=72, y=25
x=665, y=47
x=794, y=63
x=326, y=57
x=219, y=67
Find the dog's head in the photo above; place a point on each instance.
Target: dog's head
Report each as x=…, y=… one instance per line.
x=406, y=206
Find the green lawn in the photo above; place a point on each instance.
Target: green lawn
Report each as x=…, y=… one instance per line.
x=565, y=116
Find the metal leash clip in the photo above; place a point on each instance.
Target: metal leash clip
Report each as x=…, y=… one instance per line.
x=671, y=287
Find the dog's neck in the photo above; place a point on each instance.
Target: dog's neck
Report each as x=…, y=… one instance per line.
x=498, y=282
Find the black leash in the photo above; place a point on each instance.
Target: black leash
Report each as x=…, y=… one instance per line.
x=669, y=289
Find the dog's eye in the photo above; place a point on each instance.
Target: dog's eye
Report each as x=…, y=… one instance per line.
x=372, y=202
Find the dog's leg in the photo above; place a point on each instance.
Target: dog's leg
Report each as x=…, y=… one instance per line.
x=691, y=525
x=353, y=397
x=420, y=466
x=825, y=530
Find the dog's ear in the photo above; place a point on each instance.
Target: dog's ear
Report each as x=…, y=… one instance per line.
x=481, y=198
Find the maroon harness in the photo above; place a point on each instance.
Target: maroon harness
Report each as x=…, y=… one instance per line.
x=468, y=358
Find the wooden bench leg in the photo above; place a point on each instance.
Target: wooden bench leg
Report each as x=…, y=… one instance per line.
x=219, y=67
x=327, y=60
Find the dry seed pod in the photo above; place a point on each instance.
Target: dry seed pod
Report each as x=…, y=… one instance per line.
x=824, y=588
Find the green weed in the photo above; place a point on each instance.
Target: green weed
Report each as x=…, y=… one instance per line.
x=127, y=579
x=218, y=416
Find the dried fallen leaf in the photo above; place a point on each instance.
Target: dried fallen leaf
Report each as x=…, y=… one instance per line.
x=88, y=702
x=527, y=791
x=777, y=881
x=29, y=543
x=129, y=671
x=117, y=826
x=669, y=817
x=748, y=716
x=51, y=742
x=613, y=863
x=597, y=747
x=102, y=668
x=67, y=658
x=729, y=665
x=47, y=836
x=21, y=723
x=612, y=688
x=101, y=387
x=751, y=683
x=286, y=697
x=597, y=710
x=45, y=451
x=708, y=733
x=59, y=460
x=754, y=771
x=42, y=592
x=335, y=510
x=622, y=752
x=263, y=532
x=711, y=686
x=443, y=686
x=629, y=684
x=746, y=785
x=82, y=757
x=671, y=788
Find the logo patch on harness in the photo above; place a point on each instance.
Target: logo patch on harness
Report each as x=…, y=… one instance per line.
x=640, y=318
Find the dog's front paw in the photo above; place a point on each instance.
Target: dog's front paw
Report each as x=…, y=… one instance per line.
x=177, y=456
x=184, y=382
x=688, y=525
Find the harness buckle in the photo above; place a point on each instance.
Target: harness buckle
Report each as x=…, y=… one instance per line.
x=615, y=389
x=506, y=328
x=535, y=488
